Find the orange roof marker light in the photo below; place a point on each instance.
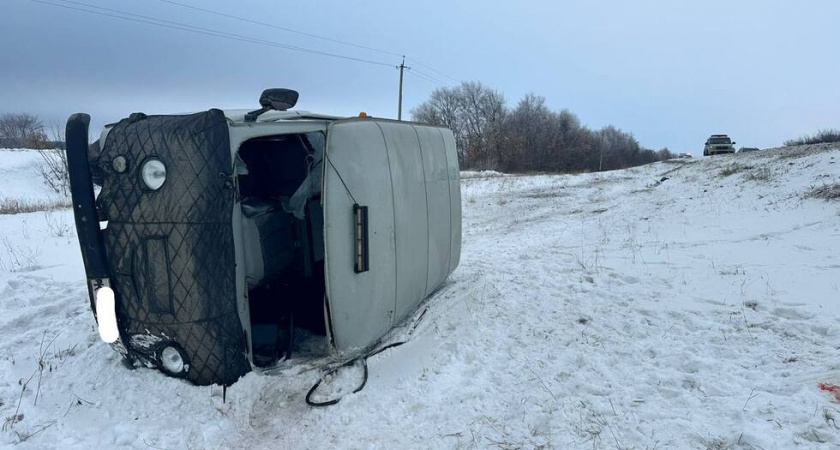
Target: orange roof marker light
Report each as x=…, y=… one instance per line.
x=363, y=114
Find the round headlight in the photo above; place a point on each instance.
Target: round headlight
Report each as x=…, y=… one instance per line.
x=153, y=173
x=119, y=164
x=172, y=361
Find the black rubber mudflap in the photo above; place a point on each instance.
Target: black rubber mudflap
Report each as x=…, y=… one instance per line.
x=170, y=251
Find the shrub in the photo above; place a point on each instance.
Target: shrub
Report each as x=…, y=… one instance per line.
x=18, y=206
x=820, y=137
x=732, y=169
x=760, y=174
x=826, y=192
x=15, y=258
x=53, y=169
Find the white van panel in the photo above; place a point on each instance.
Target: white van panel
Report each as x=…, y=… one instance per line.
x=438, y=195
x=410, y=214
x=361, y=305
x=454, y=197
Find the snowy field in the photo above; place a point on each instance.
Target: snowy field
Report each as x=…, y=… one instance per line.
x=687, y=304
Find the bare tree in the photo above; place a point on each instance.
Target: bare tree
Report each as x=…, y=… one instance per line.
x=474, y=113
x=443, y=108
x=22, y=130
x=664, y=153
x=482, y=111
x=53, y=164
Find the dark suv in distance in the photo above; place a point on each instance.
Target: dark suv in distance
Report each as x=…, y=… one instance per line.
x=718, y=143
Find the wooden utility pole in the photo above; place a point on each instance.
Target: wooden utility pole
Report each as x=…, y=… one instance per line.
x=402, y=67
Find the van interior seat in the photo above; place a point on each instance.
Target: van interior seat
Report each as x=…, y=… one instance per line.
x=254, y=267
x=269, y=235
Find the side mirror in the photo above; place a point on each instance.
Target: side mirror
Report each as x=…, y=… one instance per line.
x=733, y=142
x=278, y=99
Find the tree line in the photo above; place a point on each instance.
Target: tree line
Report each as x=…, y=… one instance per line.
x=24, y=130
x=529, y=137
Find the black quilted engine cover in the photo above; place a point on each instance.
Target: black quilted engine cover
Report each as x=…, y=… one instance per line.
x=170, y=252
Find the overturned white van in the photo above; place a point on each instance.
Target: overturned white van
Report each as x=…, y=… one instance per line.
x=217, y=237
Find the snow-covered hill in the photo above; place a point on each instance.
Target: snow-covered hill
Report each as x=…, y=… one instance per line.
x=684, y=304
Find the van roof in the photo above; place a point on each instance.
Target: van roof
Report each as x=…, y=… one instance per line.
x=238, y=116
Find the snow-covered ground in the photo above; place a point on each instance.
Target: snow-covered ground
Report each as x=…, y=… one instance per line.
x=685, y=304
x=19, y=176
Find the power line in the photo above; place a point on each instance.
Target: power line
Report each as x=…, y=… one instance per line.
x=433, y=70
x=435, y=85
x=430, y=78
x=278, y=27
x=304, y=33
x=163, y=23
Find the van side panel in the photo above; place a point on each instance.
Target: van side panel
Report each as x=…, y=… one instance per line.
x=410, y=214
x=361, y=305
x=454, y=197
x=439, y=205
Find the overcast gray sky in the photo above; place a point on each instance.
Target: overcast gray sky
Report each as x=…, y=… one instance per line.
x=671, y=72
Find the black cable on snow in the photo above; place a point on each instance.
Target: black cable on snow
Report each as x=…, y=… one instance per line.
x=352, y=362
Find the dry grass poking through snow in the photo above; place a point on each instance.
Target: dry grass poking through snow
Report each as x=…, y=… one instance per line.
x=18, y=258
x=18, y=206
x=801, y=151
x=734, y=168
x=827, y=192
x=760, y=174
